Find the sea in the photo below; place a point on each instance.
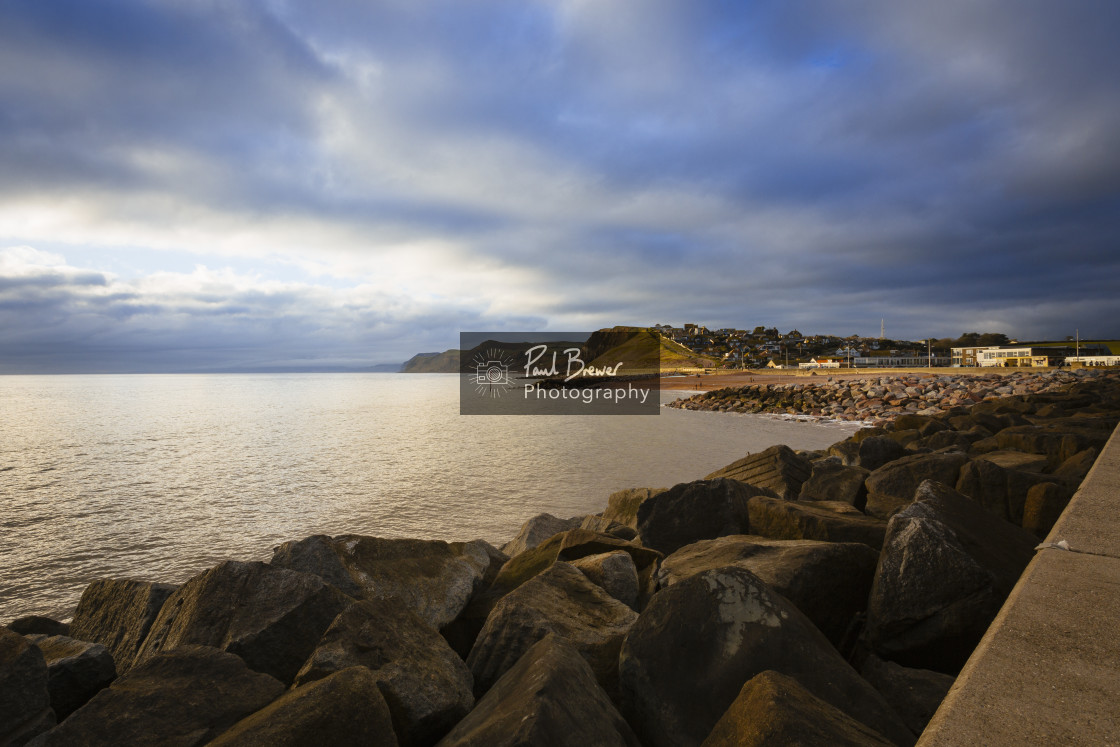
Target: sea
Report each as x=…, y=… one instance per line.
x=158, y=477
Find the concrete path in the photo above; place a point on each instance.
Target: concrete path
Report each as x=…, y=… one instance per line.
x=1048, y=670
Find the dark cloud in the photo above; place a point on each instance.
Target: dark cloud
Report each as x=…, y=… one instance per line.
x=948, y=166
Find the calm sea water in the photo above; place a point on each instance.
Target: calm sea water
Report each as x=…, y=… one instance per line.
x=158, y=477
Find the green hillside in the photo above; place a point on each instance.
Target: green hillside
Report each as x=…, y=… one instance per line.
x=445, y=362
x=642, y=350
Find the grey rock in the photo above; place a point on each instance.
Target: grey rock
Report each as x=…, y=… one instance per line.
x=77, y=670
x=435, y=579
x=271, y=617
x=892, y=486
x=345, y=708
x=536, y=530
x=686, y=658
x=615, y=572
x=461, y=632
x=778, y=470
x=613, y=528
x=1043, y=507
x=560, y=600
x=775, y=709
x=832, y=481
x=694, y=511
x=879, y=450
x=1001, y=491
x=946, y=568
x=183, y=697
x=118, y=614
x=427, y=686
x=828, y=581
x=817, y=520
x=550, y=696
x=25, y=702
x=1077, y=466
x=622, y=506
x=915, y=694
x=38, y=625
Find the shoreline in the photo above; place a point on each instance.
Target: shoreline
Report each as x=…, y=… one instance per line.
x=828, y=557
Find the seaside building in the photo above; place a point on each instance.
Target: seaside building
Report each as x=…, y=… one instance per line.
x=1094, y=361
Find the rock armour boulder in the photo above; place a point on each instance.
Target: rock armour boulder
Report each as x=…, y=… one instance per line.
x=946, y=568
x=77, y=670
x=435, y=579
x=426, y=685
x=183, y=697
x=685, y=660
x=345, y=708
x=25, y=701
x=560, y=600
x=774, y=709
x=816, y=520
x=779, y=470
x=118, y=614
x=270, y=617
x=538, y=529
x=550, y=696
x=827, y=581
x=694, y=511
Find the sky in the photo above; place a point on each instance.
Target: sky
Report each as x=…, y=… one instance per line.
x=224, y=185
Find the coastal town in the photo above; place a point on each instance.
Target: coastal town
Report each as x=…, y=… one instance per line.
x=766, y=347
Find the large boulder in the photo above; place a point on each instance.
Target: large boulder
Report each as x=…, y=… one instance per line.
x=536, y=530
x=828, y=581
x=435, y=579
x=1044, y=504
x=38, y=625
x=596, y=523
x=560, y=600
x=778, y=471
x=183, y=697
x=550, y=696
x=827, y=521
x=25, y=701
x=76, y=670
x=569, y=546
x=622, y=506
x=832, y=481
x=686, y=659
x=615, y=572
x=1057, y=440
x=946, y=568
x=693, y=511
x=876, y=451
x=1015, y=460
x=118, y=613
x=462, y=631
x=427, y=686
x=1000, y=490
x=1077, y=466
x=271, y=617
x=915, y=694
x=345, y=708
x=775, y=709
x=892, y=486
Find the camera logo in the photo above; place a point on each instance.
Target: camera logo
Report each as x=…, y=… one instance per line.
x=491, y=376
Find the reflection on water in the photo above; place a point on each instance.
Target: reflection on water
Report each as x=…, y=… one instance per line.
x=158, y=477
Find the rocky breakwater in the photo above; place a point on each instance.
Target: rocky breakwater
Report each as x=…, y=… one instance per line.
x=825, y=597
x=879, y=398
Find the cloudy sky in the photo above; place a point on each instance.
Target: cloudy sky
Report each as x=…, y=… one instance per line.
x=210, y=185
